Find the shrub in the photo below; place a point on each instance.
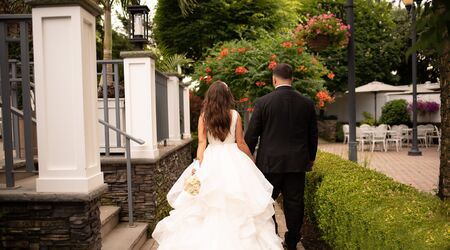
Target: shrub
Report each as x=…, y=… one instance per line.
x=339, y=132
x=246, y=66
x=395, y=112
x=194, y=144
x=368, y=119
x=195, y=105
x=358, y=208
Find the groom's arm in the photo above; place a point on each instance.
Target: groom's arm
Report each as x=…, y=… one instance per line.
x=313, y=135
x=254, y=129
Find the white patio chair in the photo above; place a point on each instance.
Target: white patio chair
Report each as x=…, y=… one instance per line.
x=429, y=126
x=421, y=127
x=406, y=137
x=379, y=136
x=435, y=135
x=346, y=130
x=422, y=135
x=361, y=138
x=431, y=133
x=396, y=137
x=366, y=126
x=383, y=126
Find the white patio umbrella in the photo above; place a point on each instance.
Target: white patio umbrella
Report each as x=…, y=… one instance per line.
x=375, y=87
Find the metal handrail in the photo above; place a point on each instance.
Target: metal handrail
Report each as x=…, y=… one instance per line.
x=18, y=112
x=121, y=132
x=109, y=61
x=128, y=151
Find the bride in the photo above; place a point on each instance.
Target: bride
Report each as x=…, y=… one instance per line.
x=233, y=209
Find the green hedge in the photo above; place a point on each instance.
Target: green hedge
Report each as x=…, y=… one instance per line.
x=358, y=208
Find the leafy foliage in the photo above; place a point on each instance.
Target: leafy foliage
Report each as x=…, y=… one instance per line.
x=14, y=7
x=368, y=119
x=434, y=26
x=212, y=21
x=167, y=62
x=358, y=208
x=186, y=6
x=381, y=39
x=339, y=132
x=395, y=112
x=120, y=42
x=246, y=66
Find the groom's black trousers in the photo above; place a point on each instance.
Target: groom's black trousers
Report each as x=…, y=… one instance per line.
x=292, y=187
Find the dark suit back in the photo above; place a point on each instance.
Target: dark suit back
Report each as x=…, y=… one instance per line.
x=285, y=123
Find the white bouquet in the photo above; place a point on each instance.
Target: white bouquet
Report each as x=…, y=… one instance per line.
x=192, y=184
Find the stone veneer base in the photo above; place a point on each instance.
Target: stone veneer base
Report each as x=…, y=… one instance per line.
x=30, y=220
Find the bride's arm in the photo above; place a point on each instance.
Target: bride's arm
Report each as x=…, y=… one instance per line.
x=240, y=139
x=201, y=139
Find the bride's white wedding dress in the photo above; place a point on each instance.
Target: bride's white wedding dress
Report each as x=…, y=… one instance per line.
x=233, y=210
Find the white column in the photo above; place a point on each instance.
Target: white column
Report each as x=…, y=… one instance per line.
x=140, y=102
x=187, y=114
x=66, y=96
x=173, y=99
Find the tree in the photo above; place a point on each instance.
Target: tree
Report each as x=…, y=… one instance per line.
x=382, y=36
x=108, y=32
x=403, y=37
x=212, y=21
x=434, y=36
x=14, y=7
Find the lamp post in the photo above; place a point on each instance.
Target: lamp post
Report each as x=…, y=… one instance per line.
x=352, y=152
x=337, y=8
x=138, y=25
x=411, y=7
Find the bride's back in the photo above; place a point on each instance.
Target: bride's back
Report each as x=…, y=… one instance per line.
x=231, y=138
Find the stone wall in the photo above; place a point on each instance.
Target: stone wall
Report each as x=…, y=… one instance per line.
x=49, y=221
x=327, y=129
x=152, y=180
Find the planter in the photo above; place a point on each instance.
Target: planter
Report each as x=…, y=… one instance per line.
x=113, y=142
x=428, y=117
x=327, y=129
x=319, y=43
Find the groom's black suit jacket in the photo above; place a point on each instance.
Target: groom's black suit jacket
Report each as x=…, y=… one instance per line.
x=285, y=122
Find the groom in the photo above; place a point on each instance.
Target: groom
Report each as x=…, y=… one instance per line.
x=285, y=123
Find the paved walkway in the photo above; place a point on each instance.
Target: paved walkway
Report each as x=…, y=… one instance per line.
x=421, y=172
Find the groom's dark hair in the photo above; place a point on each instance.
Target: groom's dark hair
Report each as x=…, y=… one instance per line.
x=283, y=70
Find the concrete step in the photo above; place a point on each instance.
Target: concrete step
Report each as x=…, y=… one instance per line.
x=123, y=237
x=150, y=244
x=109, y=216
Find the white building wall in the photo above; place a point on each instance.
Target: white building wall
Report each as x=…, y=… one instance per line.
x=365, y=103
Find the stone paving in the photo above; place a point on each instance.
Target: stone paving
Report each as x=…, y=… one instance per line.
x=421, y=172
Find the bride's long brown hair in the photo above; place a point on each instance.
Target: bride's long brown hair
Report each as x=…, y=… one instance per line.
x=216, y=110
